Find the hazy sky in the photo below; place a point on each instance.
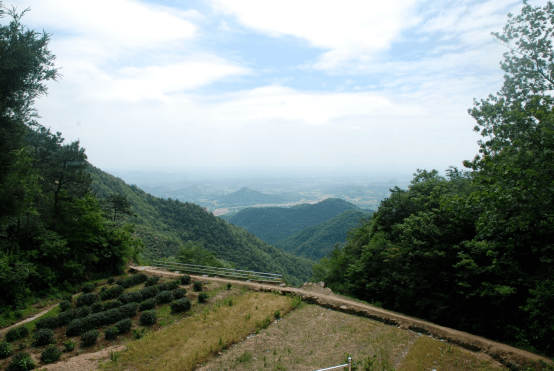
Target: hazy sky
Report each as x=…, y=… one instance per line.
x=260, y=84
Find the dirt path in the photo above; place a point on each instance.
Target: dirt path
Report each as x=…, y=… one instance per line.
x=505, y=354
x=6, y=329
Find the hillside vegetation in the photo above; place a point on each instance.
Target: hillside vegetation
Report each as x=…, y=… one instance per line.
x=272, y=224
x=318, y=241
x=166, y=226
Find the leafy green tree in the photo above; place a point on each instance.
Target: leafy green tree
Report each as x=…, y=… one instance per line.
x=193, y=252
x=119, y=205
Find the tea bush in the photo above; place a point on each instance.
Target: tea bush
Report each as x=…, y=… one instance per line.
x=131, y=297
x=180, y=305
x=151, y=281
x=111, y=280
x=16, y=333
x=44, y=336
x=21, y=362
x=123, y=326
x=96, y=307
x=179, y=293
x=87, y=288
x=50, y=354
x=202, y=297
x=185, y=279
x=48, y=322
x=23, y=332
x=171, y=285
x=65, y=305
x=111, y=304
x=133, y=280
x=164, y=297
x=87, y=299
x=97, y=320
x=197, y=286
x=149, y=292
x=89, y=338
x=148, y=304
x=5, y=350
x=148, y=317
x=110, y=333
x=69, y=345
x=112, y=293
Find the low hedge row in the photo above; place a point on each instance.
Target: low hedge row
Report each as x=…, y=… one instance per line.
x=164, y=297
x=16, y=333
x=87, y=299
x=171, y=285
x=149, y=292
x=63, y=318
x=97, y=320
x=133, y=280
x=112, y=304
x=130, y=297
x=112, y=293
x=151, y=281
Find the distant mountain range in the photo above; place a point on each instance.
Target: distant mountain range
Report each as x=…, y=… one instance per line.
x=318, y=241
x=165, y=225
x=246, y=197
x=272, y=224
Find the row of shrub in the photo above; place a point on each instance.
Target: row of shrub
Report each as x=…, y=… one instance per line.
x=132, y=281
x=64, y=318
x=16, y=333
x=97, y=320
x=112, y=292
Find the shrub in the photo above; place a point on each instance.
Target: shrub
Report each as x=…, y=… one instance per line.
x=131, y=297
x=228, y=286
x=148, y=317
x=89, y=338
x=87, y=288
x=133, y=280
x=112, y=304
x=111, y=280
x=197, y=286
x=16, y=333
x=68, y=298
x=138, y=333
x=97, y=320
x=180, y=305
x=164, y=297
x=69, y=345
x=185, y=279
x=171, y=285
x=43, y=336
x=151, y=281
x=96, y=307
x=65, y=305
x=21, y=362
x=48, y=322
x=5, y=350
x=149, y=292
x=202, y=297
x=82, y=312
x=148, y=304
x=179, y=293
x=110, y=333
x=66, y=317
x=123, y=326
x=112, y=293
x=50, y=354
x=87, y=299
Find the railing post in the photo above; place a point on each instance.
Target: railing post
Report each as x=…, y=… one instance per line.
x=349, y=363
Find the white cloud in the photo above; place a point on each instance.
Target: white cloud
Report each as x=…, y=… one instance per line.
x=349, y=29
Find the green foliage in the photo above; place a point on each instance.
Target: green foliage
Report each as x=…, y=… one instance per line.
x=98, y=320
x=112, y=293
x=228, y=286
x=50, y=354
x=89, y=338
x=123, y=326
x=149, y=292
x=21, y=362
x=111, y=304
x=110, y=280
x=87, y=299
x=277, y=314
x=263, y=324
x=16, y=333
x=180, y=305
x=88, y=288
x=164, y=297
x=133, y=280
x=69, y=345
x=5, y=350
x=111, y=333
x=148, y=317
x=131, y=297
x=65, y=305
x=197, y=286
x=202, y=297
x=96, y=307
x=138, y=333
x=148, y=304
x=179, y=293
x=193, y=252
x=43, y=336
x=185, y=279
x=151, y=281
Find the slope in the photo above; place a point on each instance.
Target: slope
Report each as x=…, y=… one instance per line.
x=272, y=224
x=246, y=196
x=318, y=241
x=165, y=225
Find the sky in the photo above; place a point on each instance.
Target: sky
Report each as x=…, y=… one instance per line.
x=303, y=85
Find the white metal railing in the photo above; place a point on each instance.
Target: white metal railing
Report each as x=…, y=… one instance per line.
x=222, y=272
x=349, y=365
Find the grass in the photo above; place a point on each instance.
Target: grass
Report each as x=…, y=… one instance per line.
x=196, y=339
x=428, y=353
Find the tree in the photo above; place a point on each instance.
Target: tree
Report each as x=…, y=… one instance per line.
x=119, y=205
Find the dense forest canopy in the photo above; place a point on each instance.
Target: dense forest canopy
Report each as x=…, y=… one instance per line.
x=475, y=250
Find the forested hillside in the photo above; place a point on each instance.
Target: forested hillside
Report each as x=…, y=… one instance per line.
x=318, y=241
x=475, y=250
x=272, y=224
x=166, y=226
x=246, y=197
